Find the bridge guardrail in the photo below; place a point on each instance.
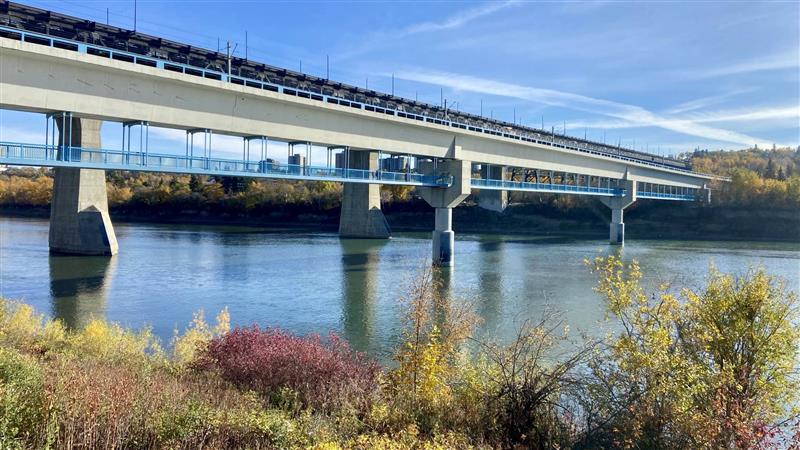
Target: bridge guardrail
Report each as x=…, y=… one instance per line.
x=664, y=196
x=545, y=187
x=15, y=153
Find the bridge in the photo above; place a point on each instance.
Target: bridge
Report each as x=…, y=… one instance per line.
x=81, y=74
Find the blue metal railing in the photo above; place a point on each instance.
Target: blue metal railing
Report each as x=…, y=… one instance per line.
x=665, y=196
x=478, y=183
x=150, y=61
x=15, y=153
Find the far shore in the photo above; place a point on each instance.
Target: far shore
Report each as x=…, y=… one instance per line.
x=674, y=223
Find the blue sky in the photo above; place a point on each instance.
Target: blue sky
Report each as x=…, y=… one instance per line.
x=661, y=76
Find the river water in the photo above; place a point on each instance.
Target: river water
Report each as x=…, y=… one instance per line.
x=315, y=282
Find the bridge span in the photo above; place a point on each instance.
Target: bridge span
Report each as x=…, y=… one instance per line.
x=51, y=65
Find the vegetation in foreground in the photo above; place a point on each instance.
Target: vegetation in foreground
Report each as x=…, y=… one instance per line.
x=711, y=368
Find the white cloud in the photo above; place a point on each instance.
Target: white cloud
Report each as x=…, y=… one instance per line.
x=457, y=20
x=634, y=115
x=741, y=115
x=706, y=101
x=780, y=61
x=453, y=22
x=736, y=115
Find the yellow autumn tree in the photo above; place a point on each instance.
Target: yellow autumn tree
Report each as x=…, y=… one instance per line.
x=714, y=368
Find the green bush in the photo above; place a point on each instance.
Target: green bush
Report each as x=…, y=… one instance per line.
x=21, y=395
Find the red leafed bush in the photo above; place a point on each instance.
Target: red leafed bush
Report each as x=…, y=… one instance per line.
x=324, y=375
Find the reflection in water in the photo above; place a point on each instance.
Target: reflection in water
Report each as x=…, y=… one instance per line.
x=317, y=283
x=441, y=278
x=490, y=281
x=360, y=258
x=79, y=287
x=443, y=282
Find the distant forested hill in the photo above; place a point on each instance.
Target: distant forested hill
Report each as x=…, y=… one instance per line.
x=769, y=178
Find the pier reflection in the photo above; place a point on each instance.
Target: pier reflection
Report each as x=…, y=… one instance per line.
x=490, y=282
x=360, y=260
x=79, y=287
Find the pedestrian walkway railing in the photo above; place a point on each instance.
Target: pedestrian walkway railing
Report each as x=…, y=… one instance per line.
x=505, y=185
x=665, y=196
x=21, y=154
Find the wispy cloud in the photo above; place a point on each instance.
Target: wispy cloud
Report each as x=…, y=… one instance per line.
x=452, y=22
x=704, y=102
x=780, y=61
x=630, y=114
x=791, y=112
x=741, y=115
x=457, y=20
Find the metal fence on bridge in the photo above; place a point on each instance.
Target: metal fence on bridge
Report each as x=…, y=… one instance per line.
x=14, y=153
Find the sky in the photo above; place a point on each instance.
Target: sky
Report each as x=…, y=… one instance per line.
x=664, y=77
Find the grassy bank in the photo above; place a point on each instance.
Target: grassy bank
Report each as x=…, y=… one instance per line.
x=717, y=367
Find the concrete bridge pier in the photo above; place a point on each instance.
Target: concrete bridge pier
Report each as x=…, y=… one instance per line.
x=361, y=215
x=444, y=200
x=444, y=239
x=616, y=234
x=493, y=200
x=79, y=220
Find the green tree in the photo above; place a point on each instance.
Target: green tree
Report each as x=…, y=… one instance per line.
x=769, y=172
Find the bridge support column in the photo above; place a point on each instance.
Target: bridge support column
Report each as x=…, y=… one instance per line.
x=79, y=220
x=444, y=239
x=616, y=232
x=493, y=200
x=361, y=215
x=444, y=200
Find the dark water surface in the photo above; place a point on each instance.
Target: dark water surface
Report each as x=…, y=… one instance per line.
x=315, y=282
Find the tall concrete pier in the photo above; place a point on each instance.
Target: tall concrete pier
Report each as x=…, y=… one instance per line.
x=79, y=220
x=361, y=215
x=444, y=200
x=493, y=200
x=616, y=233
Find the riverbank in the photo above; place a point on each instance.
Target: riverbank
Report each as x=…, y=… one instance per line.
x=643, y=220
x=103, y=385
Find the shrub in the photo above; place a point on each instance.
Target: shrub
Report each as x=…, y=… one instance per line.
x=325, y=375
x=532, y=384
x=192, y=343
x=22, y=328
x=435, y=327
x=93, y=404
x=21, y=384
x=712, y=369
x=275, y=428
x=110, y=342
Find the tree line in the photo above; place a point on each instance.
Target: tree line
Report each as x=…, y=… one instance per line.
x=768, y=178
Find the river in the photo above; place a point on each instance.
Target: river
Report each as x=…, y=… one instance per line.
x=314, y=282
